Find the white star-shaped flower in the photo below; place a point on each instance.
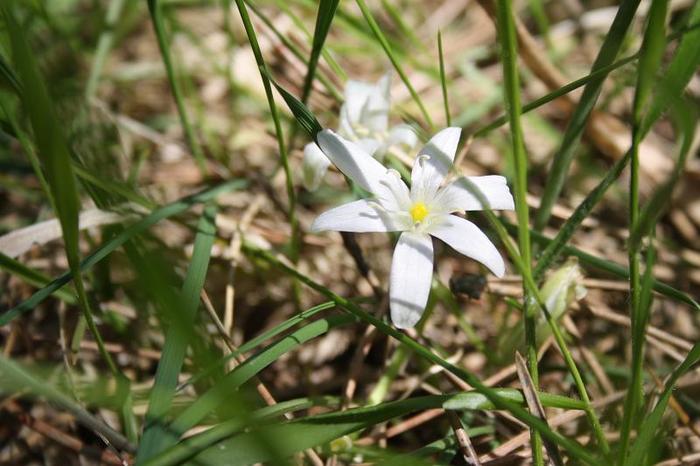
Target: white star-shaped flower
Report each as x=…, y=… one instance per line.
x=364, y=119
x=424, y=210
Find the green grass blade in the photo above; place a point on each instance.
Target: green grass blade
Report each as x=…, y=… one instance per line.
x=260, y=339
x=294, y=48
x=562, y=159
x=104, y=44
x=317, y=430
x=222, y=390
x=154, y=7
x=284, y=159
x=572, y=86
x=33, y=277
x=55, y=157
x=301, y=112
x=176, y=339
x=443, y=81
x=683, y=66
x=324, y=18
x=191, y=446
x=652, y=421
x=108, y=247
x=574, y=449
x=8, y=78
x=376, y=30
x=14, y=378
x=511, y=88
x=649, y=61
x=686, y=118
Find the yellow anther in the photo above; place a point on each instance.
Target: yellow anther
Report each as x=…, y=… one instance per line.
x=418, y=212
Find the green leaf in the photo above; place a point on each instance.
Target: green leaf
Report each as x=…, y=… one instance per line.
x=562, y=159
x=108, y=247
x=301, y=112
x=177, y=339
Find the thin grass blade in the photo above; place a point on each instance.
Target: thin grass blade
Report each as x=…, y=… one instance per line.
x=562, y=159
x=177, y=339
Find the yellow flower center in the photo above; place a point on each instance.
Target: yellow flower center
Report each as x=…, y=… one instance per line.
x=418, y=212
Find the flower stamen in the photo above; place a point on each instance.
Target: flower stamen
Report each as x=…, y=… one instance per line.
x=418, y=212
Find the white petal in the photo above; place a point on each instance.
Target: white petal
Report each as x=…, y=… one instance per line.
x=468, y=239
x=428, y=172
x=402, y=135
x=352, y=160
x=359, y=216
x=458, y=195
x=375, y=112
x=411, y=274
x=314, y=166
x=371, y=146
x=364, y=170
x=356, y=94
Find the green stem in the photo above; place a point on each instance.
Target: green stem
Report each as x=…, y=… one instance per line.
x=397, y=66
x=264, y=73
x=509, y=58
x=443, y=81
x=159, y=27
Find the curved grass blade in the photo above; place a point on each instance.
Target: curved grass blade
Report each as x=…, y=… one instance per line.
x=107, y=248
x=301, y=112
x=564, y=156
x=317, y=430
x=284, y=156
x=260, y=339
x=222, y=390
x=177, y=338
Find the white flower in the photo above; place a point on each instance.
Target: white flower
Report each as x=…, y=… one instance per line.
x=424, y=210
x=364, y=119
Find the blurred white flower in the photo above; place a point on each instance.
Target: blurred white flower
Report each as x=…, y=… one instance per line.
x=424, y=210
x=364, y=119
